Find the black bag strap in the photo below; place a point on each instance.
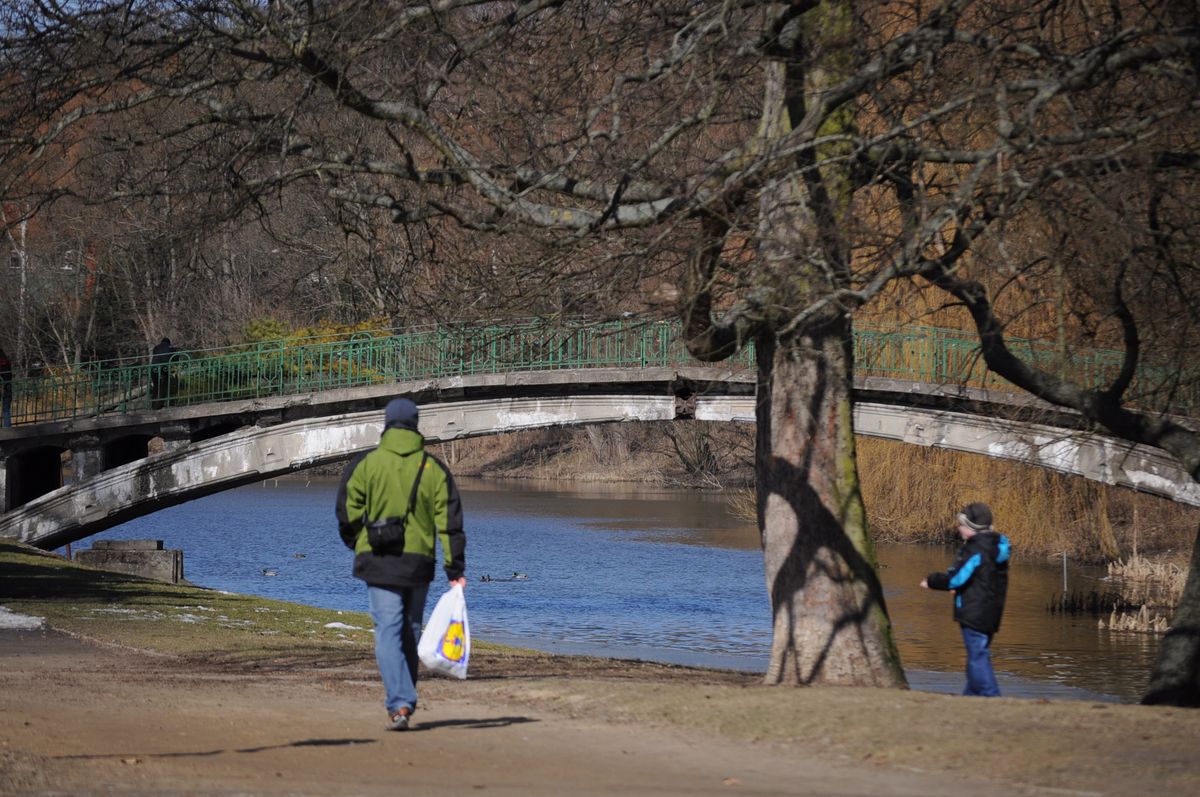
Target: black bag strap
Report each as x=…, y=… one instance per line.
x=412, y=497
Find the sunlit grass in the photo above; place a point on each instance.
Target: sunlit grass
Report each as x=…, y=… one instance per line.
x=182, y=620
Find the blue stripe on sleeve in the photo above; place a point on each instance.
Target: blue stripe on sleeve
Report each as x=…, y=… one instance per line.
x=965, y=572
x=1002, y=555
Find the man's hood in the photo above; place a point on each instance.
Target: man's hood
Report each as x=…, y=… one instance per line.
x=401, y=441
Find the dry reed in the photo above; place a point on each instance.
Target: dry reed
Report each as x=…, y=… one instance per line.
x=1153, y=588
x=913, y=493
x=1164, y=577
x=1142, y=621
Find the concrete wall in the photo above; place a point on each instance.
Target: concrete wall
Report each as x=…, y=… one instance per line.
x=138, y=557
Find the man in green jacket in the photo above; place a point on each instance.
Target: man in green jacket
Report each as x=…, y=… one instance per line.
x=394, y=501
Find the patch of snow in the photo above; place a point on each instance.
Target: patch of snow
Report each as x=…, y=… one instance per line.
x=135, y=614
x=190, y=618
x=343, y=625
x=1152, y=482
x=19, y=622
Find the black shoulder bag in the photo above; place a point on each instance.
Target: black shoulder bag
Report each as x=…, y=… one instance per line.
x=386, y=535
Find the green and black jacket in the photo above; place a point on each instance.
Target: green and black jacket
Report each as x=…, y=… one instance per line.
x=376, y=486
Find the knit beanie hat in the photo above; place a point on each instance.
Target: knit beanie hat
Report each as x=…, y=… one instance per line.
x=401, y=413
x=976, y=516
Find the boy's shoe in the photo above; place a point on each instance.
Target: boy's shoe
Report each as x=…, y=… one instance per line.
x=398, y=721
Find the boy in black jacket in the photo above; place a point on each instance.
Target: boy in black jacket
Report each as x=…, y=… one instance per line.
x=979, y=580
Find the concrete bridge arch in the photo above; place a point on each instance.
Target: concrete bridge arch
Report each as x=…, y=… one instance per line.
x=232, y=446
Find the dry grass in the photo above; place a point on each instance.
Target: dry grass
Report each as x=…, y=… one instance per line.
x=1143, y=621
x=1165, y=578
x=687, y=454
x=1153, y=587
x=912, y=494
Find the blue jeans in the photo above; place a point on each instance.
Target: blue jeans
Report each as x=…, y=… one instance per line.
x=981, y=680
x=397, y=614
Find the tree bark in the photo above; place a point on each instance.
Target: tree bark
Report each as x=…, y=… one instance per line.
x=830, y=623
x=1176, y=677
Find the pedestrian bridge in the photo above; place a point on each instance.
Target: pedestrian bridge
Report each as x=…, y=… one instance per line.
x=129, y=454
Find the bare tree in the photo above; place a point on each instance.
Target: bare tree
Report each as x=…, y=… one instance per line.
x=766, y=170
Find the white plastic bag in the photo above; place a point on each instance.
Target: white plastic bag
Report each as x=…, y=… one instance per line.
x=445, y=644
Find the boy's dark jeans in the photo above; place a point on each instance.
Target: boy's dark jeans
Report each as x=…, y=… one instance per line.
x=981, y=680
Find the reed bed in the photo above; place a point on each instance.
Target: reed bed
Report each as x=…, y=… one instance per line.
x=912, y=494
x=1142, y=621
x=1152, y=588
x=1157, y=578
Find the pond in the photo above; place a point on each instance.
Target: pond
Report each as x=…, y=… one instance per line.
x=636, y=572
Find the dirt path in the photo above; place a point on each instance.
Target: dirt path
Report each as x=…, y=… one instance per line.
x=78, y=718
x=81, y=719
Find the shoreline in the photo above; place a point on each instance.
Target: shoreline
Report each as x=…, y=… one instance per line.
x=930, y=681
x=318, y=581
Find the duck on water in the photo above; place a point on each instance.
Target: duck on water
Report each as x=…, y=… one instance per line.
x=515, y=577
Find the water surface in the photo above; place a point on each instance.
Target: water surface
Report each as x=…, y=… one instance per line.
x=663, y=575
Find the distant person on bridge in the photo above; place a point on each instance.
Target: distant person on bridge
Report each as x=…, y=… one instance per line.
x=979, y=580
x=6, y=380
x=160, y=374
x=394, y=501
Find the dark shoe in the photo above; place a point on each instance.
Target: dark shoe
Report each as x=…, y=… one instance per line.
x=398, y=721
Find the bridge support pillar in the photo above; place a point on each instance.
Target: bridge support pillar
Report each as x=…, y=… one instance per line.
x=139, y=557
x=4, y=507
x=87, y=458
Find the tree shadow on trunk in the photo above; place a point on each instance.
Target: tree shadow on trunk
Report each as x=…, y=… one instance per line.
x=822, y=568
x=820, y=530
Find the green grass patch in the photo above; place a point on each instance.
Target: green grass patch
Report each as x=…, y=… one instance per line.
x=182, y=620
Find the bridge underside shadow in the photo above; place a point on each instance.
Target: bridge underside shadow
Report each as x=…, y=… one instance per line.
x=246, y=456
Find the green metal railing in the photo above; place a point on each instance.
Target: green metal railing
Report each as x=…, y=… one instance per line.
x=952, y=357
x=296, y=366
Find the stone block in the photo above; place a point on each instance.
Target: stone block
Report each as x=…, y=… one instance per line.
x=128, y=545
x=148, y=561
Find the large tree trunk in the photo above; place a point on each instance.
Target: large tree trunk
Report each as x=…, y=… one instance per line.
x=1176, y=677
x=830, y=621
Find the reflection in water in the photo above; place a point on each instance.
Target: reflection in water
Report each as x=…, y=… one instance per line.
x=666, y=575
